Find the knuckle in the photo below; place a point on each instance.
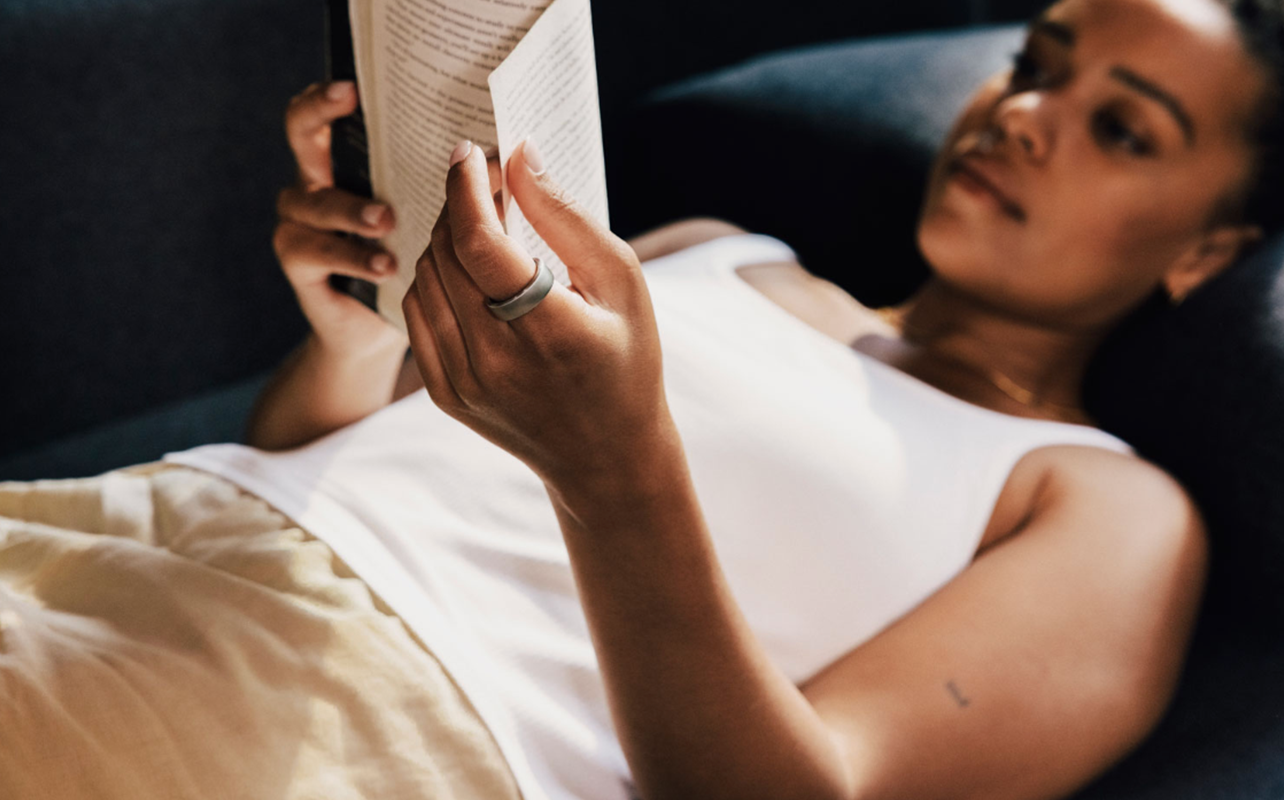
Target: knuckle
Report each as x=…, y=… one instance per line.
x=424, y=262
x=306, y=94
x=323, y=207
x=332, y=249
x=336, y=208
x=350, y=206
x=560, y=202
x=473, y=245
x=292, y=111
x=282, y=241
x=625, y=254
x=441, y=236
x=442, y=396
x=469, y=392
x=558, y=348
x=285, y=201
x=298, y=106
x=490, y=366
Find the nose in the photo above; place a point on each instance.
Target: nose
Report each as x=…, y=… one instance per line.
x=1023, y=118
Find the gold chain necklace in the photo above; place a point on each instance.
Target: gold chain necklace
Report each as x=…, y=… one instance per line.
x=895, y=317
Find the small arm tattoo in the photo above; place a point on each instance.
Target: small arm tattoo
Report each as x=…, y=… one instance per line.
x=956, y=694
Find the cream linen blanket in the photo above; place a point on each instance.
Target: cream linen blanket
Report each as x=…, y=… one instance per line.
x=165, y=635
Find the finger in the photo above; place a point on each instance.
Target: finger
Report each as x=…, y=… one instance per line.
x=496, y=263
x=335, y=210
x=582, y=243
x=423, y=344
x=468, y=301
x=308, y=255
x=307, y=127
x=437, y=310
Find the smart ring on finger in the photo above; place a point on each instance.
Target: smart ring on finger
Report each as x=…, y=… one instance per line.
x=529, y=297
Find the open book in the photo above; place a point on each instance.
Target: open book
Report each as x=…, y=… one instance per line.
x=432, y=72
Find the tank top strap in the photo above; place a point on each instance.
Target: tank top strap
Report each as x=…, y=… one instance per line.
x=726, y=254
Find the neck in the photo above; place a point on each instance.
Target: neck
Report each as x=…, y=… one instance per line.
x=1049, y=363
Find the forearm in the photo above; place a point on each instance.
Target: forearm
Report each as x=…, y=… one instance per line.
x=316, y=391
x=699, y=708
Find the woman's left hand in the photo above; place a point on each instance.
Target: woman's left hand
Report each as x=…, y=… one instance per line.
x=574, y=387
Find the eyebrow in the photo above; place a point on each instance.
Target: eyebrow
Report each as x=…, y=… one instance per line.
x=1066, y=35
x=1174, y=106
x=1059, y=31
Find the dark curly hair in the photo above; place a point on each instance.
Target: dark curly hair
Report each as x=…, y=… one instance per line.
x=1261, y=26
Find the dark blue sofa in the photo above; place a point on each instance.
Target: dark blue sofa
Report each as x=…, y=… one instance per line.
x=141, y=151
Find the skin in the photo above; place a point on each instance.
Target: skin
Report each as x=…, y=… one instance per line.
x=1057, y=649
x=347, y=366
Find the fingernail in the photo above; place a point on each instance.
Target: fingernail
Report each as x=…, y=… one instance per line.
x=373, y=214
x=381, y=262
x=460, y=152
x=491, y=152
x=338, y=90
x=532, y=156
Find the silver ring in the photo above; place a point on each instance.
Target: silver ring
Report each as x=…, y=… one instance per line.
x=529, y=297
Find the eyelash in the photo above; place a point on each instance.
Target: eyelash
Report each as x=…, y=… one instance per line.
x=1024, y=67
x=1106, y=125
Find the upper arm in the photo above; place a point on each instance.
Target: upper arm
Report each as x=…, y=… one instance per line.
x=1044, y=661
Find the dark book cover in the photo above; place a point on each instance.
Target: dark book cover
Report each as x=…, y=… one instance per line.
x=349, y=149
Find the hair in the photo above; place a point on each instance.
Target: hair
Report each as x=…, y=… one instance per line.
x=1261, y=201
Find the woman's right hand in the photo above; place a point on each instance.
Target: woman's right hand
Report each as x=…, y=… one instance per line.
x=314, y=217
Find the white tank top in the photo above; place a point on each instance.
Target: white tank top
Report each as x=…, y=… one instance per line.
x=839, y=491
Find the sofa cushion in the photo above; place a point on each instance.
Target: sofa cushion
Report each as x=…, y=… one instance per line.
x=218, y=415
x=142, y=149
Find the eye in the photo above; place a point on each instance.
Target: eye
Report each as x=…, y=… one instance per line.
x=1026, y=71
x=1111, y=130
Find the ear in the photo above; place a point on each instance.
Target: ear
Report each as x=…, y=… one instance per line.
x=1214, y=251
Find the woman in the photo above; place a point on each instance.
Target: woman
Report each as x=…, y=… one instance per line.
x=822, y=553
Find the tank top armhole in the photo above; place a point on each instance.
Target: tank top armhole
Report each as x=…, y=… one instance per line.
x=992, y=481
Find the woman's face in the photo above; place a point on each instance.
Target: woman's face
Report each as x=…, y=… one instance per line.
x=1110, y=143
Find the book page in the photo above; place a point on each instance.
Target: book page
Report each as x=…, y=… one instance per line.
x=422, y=67
x=547, y=89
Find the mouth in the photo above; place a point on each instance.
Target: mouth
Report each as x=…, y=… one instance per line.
x=975, y=181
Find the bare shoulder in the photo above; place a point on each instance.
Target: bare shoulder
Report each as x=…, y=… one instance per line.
x=1096, y=483
x=1104, y=499
x=1139, y=533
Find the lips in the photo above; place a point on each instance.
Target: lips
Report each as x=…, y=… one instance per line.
x=970, y=168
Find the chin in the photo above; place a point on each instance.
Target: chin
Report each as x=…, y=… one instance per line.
x=948, y=244
x=959, y=257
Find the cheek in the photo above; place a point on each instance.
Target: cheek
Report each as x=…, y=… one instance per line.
x=1120, y=236
x=1092, y=249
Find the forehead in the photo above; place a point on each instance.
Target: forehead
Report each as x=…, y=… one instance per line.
x=1190, y=48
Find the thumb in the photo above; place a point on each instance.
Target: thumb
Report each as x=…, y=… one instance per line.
x=594, y=256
